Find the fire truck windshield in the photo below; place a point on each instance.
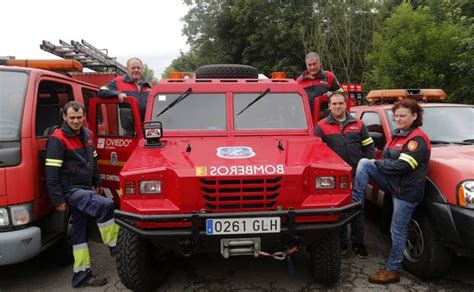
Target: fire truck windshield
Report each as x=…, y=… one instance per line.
x=197, y=112
x=12, y=96
x=275, y=111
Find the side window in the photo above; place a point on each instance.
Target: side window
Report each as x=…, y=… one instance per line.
x=52, y=96
x=374, y=126
x=86, y=95
x=115, y=120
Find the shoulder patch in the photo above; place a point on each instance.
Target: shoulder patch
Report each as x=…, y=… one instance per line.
x=412, y=145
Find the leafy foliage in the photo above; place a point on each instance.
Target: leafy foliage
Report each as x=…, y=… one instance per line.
x=414, y=50
x=383, y=44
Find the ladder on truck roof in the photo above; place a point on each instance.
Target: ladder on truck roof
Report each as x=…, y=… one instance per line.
x=88, y=55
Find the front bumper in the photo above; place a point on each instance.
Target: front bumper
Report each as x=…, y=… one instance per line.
x=454, y=225
x=19, y=245
x=196, y=231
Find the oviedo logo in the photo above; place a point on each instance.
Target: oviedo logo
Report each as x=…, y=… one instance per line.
x=235, y=152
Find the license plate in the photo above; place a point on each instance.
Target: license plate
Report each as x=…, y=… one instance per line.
x=243, y=225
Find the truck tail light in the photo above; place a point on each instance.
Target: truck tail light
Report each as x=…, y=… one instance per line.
x=325, y=182
x=130, y=187
x=344, y=182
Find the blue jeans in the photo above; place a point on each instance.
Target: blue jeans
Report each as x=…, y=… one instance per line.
x=365, y=169
x=402, y=213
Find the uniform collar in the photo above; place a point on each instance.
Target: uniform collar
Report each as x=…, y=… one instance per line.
x=70, y=133
x=349, y=119
x=399, y=133
x=141, y=82
x=306, y=75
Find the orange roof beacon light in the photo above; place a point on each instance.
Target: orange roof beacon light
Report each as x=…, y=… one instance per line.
x=68, y=65
x=278, y=75
x=393, y=95
x=176, y=75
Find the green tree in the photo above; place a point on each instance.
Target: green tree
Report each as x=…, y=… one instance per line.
x=264, y=34
x=275, y=35
x=149, y=74
x=342, y=34
x=413, y=50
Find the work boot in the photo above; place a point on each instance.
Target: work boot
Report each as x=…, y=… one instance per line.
x=360, y=250
x=384, y=276
x=93, y=281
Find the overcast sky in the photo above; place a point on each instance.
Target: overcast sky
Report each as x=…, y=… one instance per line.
x=150, y=30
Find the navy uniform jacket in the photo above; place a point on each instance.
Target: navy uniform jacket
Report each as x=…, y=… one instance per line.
x=350, y=140
x=405, y=163
x=126, y=85
x=324, y=82
x=71, y=162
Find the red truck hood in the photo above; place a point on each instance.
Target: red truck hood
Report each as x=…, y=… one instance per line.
x=450, y=165
x=230, y=156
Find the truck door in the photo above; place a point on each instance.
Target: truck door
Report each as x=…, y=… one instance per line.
x=117, y=130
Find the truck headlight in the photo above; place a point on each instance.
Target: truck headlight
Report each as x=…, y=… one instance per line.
x=4, y=221
x=22, y=214
x=325, y=182
x=466, y=194
x=150, y=187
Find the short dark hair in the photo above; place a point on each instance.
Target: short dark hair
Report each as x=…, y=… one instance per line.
x=414, y=107
x=74, y=105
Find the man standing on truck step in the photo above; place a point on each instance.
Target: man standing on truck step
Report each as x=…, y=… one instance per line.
x=315, y=80
x=349, y=138
x=73, y=181
x=132, y=84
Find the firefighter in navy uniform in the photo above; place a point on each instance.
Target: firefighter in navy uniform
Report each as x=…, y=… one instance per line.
x=349, y=138
x=72, y=180
x=402, y=173
x=316, y=81
x=132, y=84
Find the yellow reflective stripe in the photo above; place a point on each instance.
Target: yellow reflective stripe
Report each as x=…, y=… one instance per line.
x=109, y=232
x=54, y=162
x=367, y=141
x=95, y=153
x=82, y=260
x=410, y=160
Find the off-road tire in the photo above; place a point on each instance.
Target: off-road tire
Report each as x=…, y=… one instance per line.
x=425, y=255
x=134, y=262
x=223, y=71
x=326, y=258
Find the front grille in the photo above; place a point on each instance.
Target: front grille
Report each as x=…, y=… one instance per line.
x=240, y=194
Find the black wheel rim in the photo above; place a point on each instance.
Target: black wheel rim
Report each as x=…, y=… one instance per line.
x=415, y=242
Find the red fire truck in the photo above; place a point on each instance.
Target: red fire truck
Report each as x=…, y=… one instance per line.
x=32, y=92
x=225, y=163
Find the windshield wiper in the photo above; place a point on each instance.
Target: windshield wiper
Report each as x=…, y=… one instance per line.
x=468, y=141
x=255, y=100
x=176, y=101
